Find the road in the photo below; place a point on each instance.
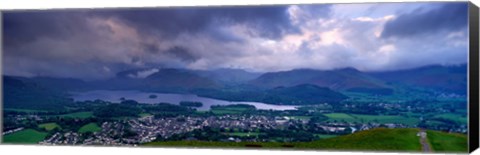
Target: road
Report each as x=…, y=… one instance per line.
x=424, y=141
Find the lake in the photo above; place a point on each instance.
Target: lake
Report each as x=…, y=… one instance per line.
x=144, y=97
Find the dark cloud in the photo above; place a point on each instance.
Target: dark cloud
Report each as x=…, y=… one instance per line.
x=92, y=44
x=23, y=27
x=450, y=17
x=182, y=53
x=151, y=48
x=271, y=21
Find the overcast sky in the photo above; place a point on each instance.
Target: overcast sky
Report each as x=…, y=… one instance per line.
x=94, y=44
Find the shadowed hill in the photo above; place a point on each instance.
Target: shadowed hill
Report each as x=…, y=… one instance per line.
x=30, y=95
x=176, y=79
x=303, y=94
x=452, y=79
x=348, y=79
x=228, y=76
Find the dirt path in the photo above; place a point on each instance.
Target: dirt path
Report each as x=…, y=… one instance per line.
x=424, y=141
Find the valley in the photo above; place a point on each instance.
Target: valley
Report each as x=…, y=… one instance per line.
x=303, y=108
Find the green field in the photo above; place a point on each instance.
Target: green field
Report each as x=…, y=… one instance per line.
x=244, y=134
x=27, y=136
x=340, y=117
x=447, y=142
x=144, y=114
x=324, y=136
x=372, y=118
x=454, y=117
x=229, y=110
x=376, y=139
x=225, y=111
x=387, y=119
x=90, y=127
x=80, y=115
x=49, y=126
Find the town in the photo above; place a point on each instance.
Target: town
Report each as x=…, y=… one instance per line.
x=134, y=124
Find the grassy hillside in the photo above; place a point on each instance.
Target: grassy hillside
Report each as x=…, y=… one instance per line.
x=20, y=94
x=447, y=142
x=381, y=139
x=90, y=127
x=49, y=126
x=340, y=79
x=377, y=139
x=27, y=136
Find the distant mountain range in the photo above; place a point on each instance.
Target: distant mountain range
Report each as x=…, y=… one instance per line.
x=451, y=79
x=287, y=87
x=347, y=79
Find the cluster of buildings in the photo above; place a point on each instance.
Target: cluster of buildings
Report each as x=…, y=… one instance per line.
x=68, y=138
x=112, y=133
x=12, y=131
x=149, y=128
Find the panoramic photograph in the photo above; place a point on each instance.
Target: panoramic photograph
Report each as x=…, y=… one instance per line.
x=356, y=77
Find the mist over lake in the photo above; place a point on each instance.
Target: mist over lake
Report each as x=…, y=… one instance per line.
x=144, y=97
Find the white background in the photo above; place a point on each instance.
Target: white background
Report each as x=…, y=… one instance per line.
x=74, y=150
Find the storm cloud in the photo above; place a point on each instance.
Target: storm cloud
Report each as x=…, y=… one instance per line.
x=272, y=21
x=96, y=43
x=448, y=17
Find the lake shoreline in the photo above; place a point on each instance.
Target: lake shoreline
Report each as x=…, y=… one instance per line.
x=116, y=96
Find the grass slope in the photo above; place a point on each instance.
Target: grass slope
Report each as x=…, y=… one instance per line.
x=80, y=115
x=27, y=136
x=90, y=127
x=49, y=126
x=380, y=139
x=376, y=139
x=447, y=142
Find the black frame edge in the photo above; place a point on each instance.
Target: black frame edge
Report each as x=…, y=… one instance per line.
x=473, y=104
x=1, y=77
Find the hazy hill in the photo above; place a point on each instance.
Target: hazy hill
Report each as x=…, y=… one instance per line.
x=235, y=84
x=156, y=79
x=176, y=79
x=21, y=94
x=452, y=79
x=348, y=79
x=296, y=95
x=305, y=94
x=228, y=76
x=60, y=84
